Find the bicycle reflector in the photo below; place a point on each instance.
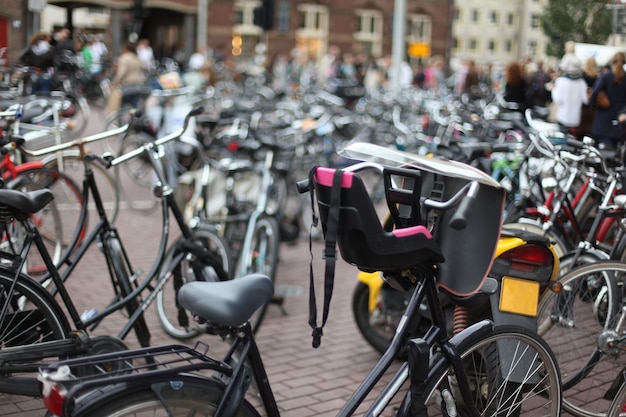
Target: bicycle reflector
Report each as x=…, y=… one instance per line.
x=54, y=392
x=529, y=261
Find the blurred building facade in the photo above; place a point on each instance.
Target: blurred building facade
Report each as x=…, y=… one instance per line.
x=227, y=26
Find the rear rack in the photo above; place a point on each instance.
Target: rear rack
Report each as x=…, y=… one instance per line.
x=119, y=367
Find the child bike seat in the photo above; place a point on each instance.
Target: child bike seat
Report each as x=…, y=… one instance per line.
x=361, y=238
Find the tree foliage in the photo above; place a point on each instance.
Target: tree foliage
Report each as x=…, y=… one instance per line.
x=586, y=21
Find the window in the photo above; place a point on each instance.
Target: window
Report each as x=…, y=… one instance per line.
x=491, y=46
x=244, y=17
x=312, y=32
x=532, y=48
x=510, y=20
x=494, y=18
x=475, y=15
x=535, y=21
x=245, y=33
x=419, y=28
x=457, y=14
x=508, y=47
x=370, y=31
x=473, y=44
x=455, y=43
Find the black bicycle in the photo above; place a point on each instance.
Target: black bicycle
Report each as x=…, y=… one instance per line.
x=483, y=370
x=34, y=327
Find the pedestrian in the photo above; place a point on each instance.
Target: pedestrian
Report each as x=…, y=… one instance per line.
x=539, y=94
x=129, y=70
x=516, y=86
x=146, y=54
x=612, y=85
x=40, y=55
x=591, y=73
x=569, y=94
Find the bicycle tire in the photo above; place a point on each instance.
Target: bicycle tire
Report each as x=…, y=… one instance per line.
x=57, y=222
x=498, y=389
x=176, y=321
x=184, y=395
x=262, y=258
x=378, y=326
x=136, y=177
x=32, y=316
x=618, y=404
x=120, y=267
x=74, y=167
x=577, y=323
x=114, y=120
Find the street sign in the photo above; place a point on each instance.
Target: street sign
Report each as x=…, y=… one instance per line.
x=419, y=50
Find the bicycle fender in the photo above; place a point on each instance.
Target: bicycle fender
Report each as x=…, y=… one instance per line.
x=507, y=348
x=85, y=403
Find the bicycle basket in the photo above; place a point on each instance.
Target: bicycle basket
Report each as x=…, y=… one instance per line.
x=361, y=238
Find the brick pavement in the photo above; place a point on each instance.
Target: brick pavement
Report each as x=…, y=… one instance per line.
x=306, y=381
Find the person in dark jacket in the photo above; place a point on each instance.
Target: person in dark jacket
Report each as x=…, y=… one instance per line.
x=604, y=130
x=40, y=53
x=516, y=86
x=40, y=56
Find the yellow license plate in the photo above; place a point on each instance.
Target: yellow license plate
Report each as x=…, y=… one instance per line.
x=519, y=296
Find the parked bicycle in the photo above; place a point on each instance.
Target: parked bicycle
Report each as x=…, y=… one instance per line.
x=485, y=369
x=35, y=327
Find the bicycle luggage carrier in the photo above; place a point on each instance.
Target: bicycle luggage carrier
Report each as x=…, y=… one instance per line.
x=81, y=374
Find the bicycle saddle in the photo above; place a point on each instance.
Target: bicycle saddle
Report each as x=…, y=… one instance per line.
x=28, y=202
x=226, y=303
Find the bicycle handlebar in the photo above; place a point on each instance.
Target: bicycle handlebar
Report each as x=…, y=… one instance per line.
x=151, y=145
x=78, y=142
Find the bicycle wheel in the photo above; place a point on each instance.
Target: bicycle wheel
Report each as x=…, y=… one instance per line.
x=136, y=177
x=618, y=405
x=175, y=320
x=58, y=221
x=32, y=315
x=120, y=267
x=112, y=121
x=580, y=325
x=378, y=325
x=74, y=167
x=184, y=397
x=510, y=371
x=262, y=258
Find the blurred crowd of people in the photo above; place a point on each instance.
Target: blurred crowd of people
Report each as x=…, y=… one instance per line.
x=570, y=89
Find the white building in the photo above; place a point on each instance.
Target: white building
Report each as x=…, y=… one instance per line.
x=497, y=32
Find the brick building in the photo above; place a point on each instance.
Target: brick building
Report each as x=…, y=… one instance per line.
x=227, y=25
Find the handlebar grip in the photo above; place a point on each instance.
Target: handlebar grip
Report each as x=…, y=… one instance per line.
x=463, y=212
x=302, y=186
x=575, y=143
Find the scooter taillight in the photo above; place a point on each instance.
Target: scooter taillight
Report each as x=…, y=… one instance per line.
x=529, y=261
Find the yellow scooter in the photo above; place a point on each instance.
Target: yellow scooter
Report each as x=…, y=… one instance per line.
x=525, y=266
